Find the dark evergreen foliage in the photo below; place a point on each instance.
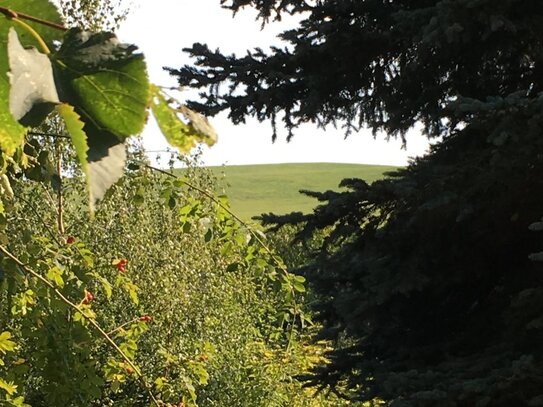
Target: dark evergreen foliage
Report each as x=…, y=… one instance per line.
x=425, y=282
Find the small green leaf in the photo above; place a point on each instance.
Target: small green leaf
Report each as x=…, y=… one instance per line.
x=79, y=139
x=55, y=274
x=178, y=133
x=298, y=287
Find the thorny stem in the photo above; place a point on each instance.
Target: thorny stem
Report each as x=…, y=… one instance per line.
x=277, y=260
x=103, y=333
x=123, y=325
x=16, y=15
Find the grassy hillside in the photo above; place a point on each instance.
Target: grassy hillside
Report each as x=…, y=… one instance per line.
x=256, y=189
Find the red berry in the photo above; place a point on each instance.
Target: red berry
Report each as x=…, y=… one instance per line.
x=129, y=370
x=146, y=318
x=88, y=297
x=121, y=265
x=70, y=240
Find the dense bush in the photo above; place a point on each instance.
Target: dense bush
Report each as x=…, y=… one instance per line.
x=203, y=309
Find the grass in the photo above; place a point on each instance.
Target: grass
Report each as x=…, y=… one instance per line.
x=257, y=189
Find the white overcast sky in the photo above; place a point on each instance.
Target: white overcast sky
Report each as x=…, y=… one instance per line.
x=161, y=28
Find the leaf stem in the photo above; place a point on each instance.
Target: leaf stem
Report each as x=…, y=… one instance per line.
x=16, y=15
x=103, y=333
x=35, y=34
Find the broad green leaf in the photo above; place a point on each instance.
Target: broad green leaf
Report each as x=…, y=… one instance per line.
x=11, y=132
x=178, y=133
x=106, y=80
x=31, y=82
x=79, y=139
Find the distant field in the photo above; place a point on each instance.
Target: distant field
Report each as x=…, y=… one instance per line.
x=257, y=189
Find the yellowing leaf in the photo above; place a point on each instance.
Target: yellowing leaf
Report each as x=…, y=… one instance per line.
x=178, y=133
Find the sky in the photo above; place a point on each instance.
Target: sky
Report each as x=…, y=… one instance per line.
x=161, y=28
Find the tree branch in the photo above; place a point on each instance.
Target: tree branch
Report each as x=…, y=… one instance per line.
x=15, y=14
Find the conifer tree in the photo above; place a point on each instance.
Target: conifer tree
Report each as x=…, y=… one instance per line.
x=426, y=281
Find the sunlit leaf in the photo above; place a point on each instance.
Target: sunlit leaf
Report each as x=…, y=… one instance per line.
x=179, y=134
x=79, y=139
x=9, y=387
x=6, y=345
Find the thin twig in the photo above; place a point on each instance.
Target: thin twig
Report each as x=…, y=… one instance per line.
x=60, y=197
x=123, y=325
x=46, y=227
x=53, y=135
x=50, y=285
x=15, y=14
x=48, y=195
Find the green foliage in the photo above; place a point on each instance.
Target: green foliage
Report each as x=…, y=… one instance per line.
x=155, y=272
x=107, y=80
x=74, y=126
x=165, y=297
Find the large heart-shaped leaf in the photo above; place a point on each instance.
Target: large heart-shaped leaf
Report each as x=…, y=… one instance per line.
x=11, y=132
x=31, y=80
x=106, y=80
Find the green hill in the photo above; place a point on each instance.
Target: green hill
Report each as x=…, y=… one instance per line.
x=257, y=189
